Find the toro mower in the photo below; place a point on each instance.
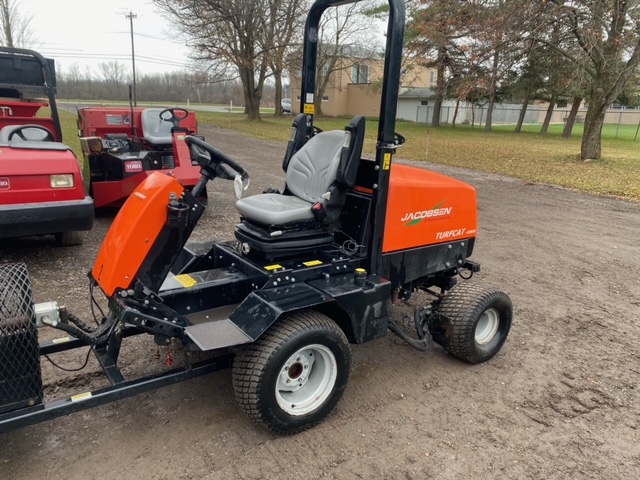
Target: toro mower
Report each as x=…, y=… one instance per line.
x=123, y=146
x=311, y=270
x=41, y=186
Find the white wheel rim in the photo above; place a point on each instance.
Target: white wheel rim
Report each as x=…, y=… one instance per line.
x=487, y=326
x=306, y=379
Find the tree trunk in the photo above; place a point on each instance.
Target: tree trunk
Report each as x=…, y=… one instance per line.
x=252, y=92
x=492, y=93
x=251, y=101
x=547, y=117
x=440, y=89
x=571, y=119
x=455, y=114
x=591, y=148
x=523, y=112
x=7, y=27
x=278, y=97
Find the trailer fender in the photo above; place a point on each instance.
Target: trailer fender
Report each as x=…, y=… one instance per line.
x=261, y=308
x=361, y=311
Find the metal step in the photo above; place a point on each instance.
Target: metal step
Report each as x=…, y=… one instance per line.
x=212, y=329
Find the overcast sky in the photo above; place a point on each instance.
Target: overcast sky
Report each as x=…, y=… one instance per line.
x=88, y=32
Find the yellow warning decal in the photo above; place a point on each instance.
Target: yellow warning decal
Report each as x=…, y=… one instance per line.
x=187, y=281
x=61, y=340
x=270, y=268
x=312, y=263
x=387, y=161
x=180, y=137
x=81, y=396
x=309, y=109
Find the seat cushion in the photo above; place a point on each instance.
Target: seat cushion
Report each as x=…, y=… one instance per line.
x=275, y=209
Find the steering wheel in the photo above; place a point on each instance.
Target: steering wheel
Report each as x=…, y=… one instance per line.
x=213, y=162
x=43, y=135
x=175, y=117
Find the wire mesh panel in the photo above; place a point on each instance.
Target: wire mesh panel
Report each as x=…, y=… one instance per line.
x=20, y=377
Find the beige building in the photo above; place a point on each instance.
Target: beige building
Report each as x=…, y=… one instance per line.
x=355, y=88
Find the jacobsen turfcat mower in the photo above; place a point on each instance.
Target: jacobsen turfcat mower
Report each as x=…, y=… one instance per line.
x=311, y=270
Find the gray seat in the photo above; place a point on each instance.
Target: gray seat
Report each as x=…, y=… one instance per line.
x=310, y=174
x=154, y=129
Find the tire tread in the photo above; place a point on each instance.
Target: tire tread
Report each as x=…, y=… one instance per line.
x=462, y=305
x=251, y=362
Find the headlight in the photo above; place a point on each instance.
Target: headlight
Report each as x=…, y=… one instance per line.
x=62, y=181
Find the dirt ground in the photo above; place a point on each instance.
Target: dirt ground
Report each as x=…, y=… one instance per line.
x=560, y=401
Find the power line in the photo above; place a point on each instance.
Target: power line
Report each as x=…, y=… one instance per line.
x=138, y=34
x=119, y=56
x=76, y=53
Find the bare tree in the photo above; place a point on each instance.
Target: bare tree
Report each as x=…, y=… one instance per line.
x=435, y=31
x=14, y=25
x=608, y=33
x=238, y=38
x=114, y=76
x=285, y=21
x=343, y=31
x=74, y=73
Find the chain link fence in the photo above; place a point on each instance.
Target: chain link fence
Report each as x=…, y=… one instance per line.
x=509, y=114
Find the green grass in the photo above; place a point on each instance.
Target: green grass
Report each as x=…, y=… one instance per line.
x=70, y=132
x=609, y=131
x=529, y=156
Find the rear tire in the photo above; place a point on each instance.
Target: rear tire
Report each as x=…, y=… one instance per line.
x=293, y=377
x=69, y=239
x=473, y=322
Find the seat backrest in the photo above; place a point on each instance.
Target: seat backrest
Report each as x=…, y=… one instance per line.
x=154, y=129
x=327, y=161
x=297, y=139
x=313, y=169
x=352, y=153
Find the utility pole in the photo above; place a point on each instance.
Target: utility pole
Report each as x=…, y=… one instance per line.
x=131, y=16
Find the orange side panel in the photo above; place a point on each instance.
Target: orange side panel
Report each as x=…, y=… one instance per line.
x=426, y=208
x=133, y=232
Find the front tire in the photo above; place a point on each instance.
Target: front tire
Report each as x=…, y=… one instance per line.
x=473, y=322
x=292, y=378
x=69, y=239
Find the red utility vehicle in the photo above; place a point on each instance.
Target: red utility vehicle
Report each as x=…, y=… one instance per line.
x=41, y=185
x=123, y=146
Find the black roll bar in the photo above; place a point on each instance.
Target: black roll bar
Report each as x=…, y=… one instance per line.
x=49, y=83
x=388, y=104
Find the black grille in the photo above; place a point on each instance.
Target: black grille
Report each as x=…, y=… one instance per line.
x=20, y=377
x=168, y=161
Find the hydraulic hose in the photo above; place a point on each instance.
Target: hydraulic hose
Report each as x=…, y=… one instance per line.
x=418, y=344
x=98, y=336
